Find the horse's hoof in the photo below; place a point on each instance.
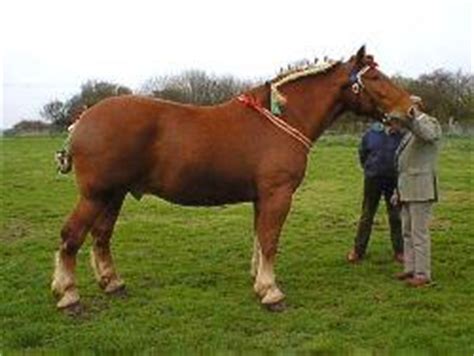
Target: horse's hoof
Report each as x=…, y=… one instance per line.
x=272, y=296
x=70, y=298
x=69, y=303
x=73, y=309
x=277, y=307
x=120, y=291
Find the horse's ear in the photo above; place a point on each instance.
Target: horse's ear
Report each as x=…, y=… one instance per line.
x=360, y=54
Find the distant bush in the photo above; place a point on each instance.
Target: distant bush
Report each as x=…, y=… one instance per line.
x=195, y=87
x=29, y=128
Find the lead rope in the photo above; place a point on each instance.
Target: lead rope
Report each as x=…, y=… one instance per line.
x=282, y=125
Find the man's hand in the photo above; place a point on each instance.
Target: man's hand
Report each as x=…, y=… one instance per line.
x=395, y=199
x=417, y=107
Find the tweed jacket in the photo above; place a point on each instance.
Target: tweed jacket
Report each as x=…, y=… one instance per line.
x=416, y=160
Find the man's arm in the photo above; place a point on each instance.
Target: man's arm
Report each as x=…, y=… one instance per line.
x=425, y=127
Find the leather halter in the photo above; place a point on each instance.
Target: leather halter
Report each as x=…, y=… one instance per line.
x=356, y=78
x=356, y=83
x=281, y=124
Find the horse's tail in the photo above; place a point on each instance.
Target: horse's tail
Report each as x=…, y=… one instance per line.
x=63, y=161
x=63, y=157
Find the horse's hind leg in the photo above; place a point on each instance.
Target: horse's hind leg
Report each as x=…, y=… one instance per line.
x=73, y=235
x=254, y=262
x=101, y=257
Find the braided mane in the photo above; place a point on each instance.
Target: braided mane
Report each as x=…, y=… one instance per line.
x=301, y=70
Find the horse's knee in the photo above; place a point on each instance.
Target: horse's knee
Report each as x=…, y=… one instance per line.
x=71, y=240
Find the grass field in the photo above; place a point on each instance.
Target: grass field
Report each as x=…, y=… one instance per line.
x=187, y=268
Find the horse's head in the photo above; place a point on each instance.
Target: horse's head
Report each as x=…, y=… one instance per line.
x=370, y=92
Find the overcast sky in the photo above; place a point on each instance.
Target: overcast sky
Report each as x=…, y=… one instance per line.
x=51, y=47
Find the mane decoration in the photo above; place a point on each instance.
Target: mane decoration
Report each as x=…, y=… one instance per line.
x=302, y=69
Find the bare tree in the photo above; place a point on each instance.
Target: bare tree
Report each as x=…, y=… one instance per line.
x=62, y=114
x=195, y=87
x=445, y=94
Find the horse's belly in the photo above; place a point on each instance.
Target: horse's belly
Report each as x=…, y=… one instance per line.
x=206, y=190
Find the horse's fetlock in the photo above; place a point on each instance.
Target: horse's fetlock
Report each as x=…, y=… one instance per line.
x=269, y=249
x=261, y=288
x=114, y=285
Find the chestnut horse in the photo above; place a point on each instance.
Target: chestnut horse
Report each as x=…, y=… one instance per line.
x=234, y=152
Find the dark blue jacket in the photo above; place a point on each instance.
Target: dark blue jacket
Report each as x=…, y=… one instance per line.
x=377, y=152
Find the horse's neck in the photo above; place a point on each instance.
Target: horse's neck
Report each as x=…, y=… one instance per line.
x=261, y=94
x=314, y=103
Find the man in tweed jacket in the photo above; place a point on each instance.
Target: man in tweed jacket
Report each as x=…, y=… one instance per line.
x=417, y=191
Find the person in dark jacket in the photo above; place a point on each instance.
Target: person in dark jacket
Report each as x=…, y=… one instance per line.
x=377, y=158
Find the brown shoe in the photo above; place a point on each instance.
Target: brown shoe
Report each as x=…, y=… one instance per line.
x=353, y=257
x=401, y=276
x=398, y=257
x=418, y=281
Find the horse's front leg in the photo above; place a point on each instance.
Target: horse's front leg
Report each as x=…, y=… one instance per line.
x=273, y=207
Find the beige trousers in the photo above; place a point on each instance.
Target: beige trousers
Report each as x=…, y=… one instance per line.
x=416, y=237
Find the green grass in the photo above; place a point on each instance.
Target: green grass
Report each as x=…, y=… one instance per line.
x=187, y=268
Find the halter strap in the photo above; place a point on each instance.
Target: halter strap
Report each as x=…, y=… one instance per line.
x=361, y=73
x=355, y=80
x=282, y=125
x=356, y=76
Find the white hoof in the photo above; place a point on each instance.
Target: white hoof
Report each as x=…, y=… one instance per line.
x=71, y=297
x=114, y=285
x=273, y=296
